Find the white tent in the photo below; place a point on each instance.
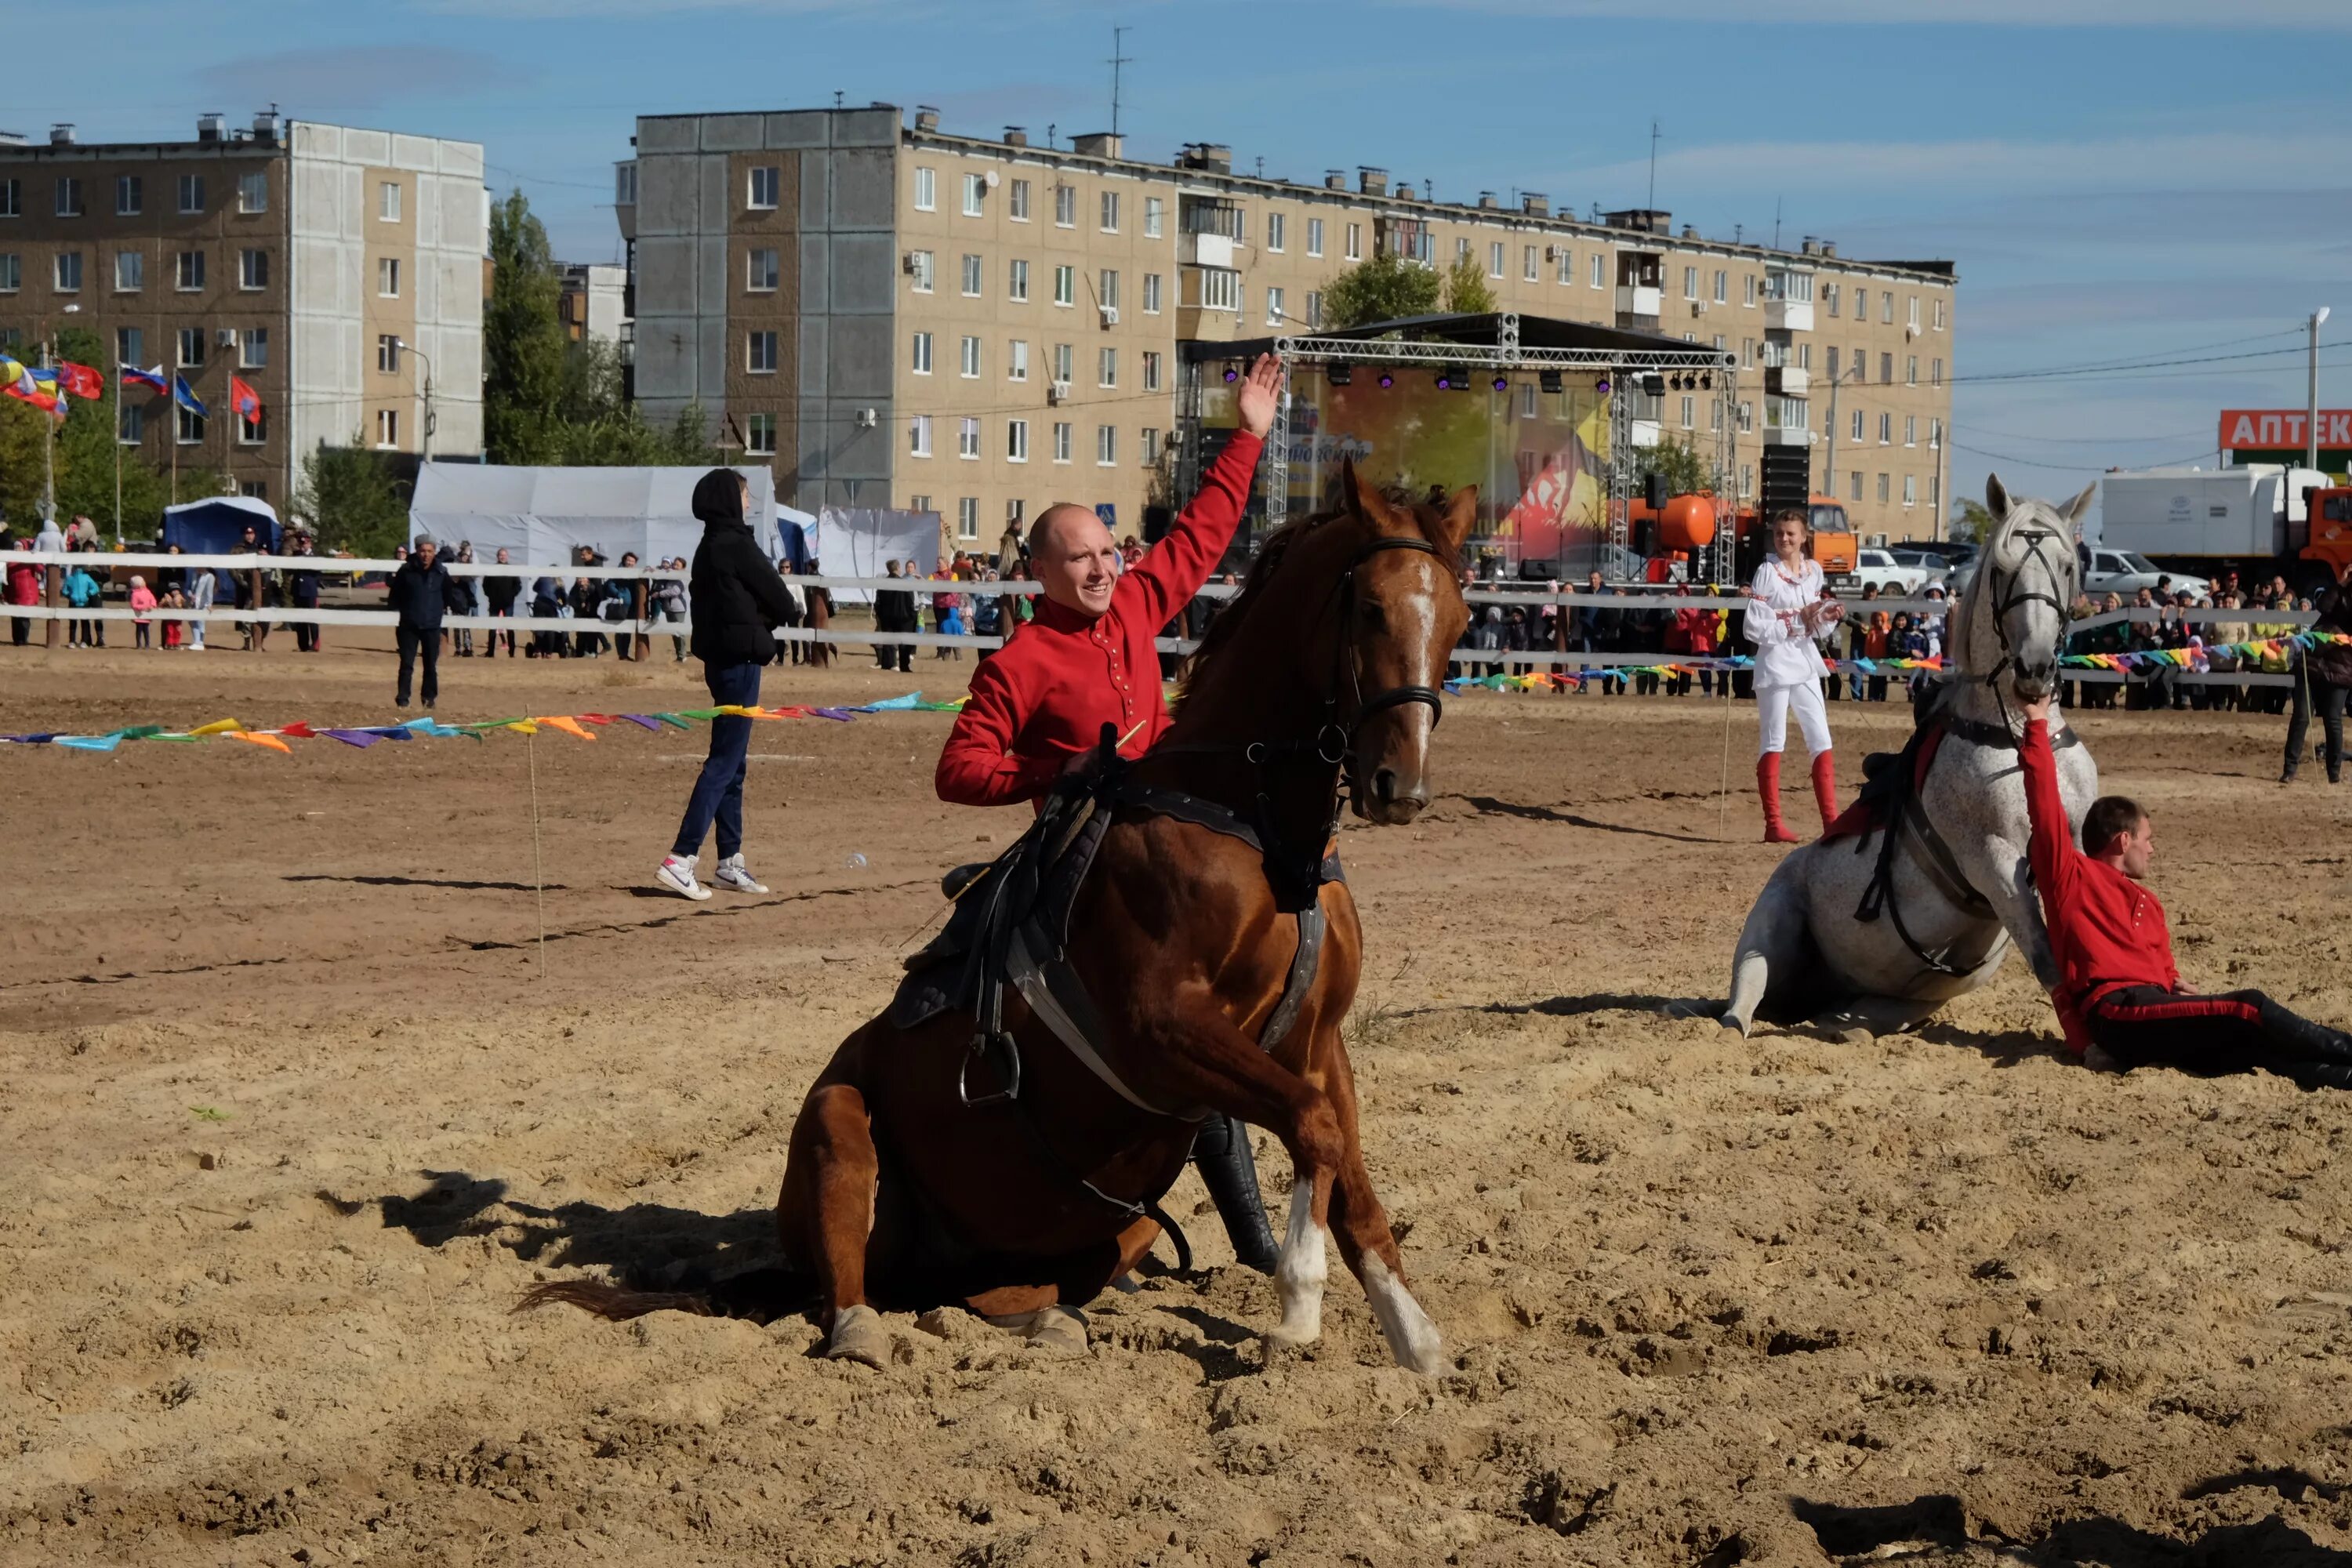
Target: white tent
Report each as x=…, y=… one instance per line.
x=854, y=541
x=542, y=515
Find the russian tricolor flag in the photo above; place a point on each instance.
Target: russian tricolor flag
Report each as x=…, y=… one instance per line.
x=133, y=376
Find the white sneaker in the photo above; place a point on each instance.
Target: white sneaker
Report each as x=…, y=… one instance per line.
x=732, y=873
x=677, y=873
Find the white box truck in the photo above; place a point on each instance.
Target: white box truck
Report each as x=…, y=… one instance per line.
x=2255, y=520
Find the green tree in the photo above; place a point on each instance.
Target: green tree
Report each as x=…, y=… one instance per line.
x=1688, y=471
x=1466, y=293
x=353, y=496
x=1381, y=288
x=1971, y=521
x=87, y=453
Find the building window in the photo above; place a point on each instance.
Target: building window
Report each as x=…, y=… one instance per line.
x=1599, y=263
x=387, y=277
x=1746, y=418
x=1105, y=445
x=1861, y=304
x=1911, y=370
x=1276, y=230
x=253, y=429
x=1885, y=490
x=920, y=268
x=387, y=202
x=1690, y=282
x=1939, y=315
x=12, y=199
x=1065, y=206
x=1747, y=352
x=761, y=271
x=967, y=438
x=1910, y=490
x=975, y=187
x=1066, y=285
x=1886, y=430
x=130, y=345
x=190, y=427
x=968, y=358
x=1527, y=263
x=927, y=190
x=387, y=353
x=69, y=196
x=1858, y=418
x=1149, y=444
x=1747, y=480
x=1935, y=494
x=760, y=353
x=1155, y=215
x=1829, y=297
x=1748, y=287
x=1935, y=373
x=759, y=435
x=972, y=276
x=253, y=348
x=130, y=271
x=1834, y=361
x=1107, y=368
x=1722, y=285
x=921, y=362
x=1355, y=242
x=1273, y=307
x=1935, y=433
x=252, y=192
x=1315, y=236
x=192, y=348
x=253, y=269
x=130, y=196
x=1910, y=429
x=1886, y=366
x=129, y=423
x=1017, y=280
x=918, y=438
x=1886, y=307
x=1151, y=293
x=192, y=193
x=1016, y=360
x=1805, y=356
x=69, y=272
x=1855, y=487
x=1150, y=370
x=1221, y=288
x=1690, y=410
x=765, y=181
x=188, y=271
x=1461, y=250
x=1017, y=205
x=1107, y=293
x=387, y=427
x=1060, y=442
x=1313, y=308
x=1064, y=357
x=1110, y=212
x=1016, y=440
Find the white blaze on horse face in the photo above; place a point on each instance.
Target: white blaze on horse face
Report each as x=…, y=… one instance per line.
x=1301, y=1271
x=1413, y=1338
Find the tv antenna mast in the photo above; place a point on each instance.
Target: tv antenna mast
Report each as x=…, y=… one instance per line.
x=1119, y=56
x=1652, y=202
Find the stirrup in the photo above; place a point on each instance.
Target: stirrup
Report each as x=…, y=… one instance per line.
x=980, y=1042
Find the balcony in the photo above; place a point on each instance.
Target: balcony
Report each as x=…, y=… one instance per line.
x=1206, y=250
x=1787, y=315
x=1638, y=299
x=1787, y=436
x=1787, y=381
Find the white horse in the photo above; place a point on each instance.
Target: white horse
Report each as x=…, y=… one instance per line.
x=1862, y=933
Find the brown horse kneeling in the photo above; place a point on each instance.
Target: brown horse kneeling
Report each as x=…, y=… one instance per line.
x=900, y=1190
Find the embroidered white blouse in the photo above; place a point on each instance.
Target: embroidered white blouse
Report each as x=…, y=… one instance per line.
x=1785, y=651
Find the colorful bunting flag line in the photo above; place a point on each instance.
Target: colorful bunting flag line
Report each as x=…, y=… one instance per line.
x=580, y=726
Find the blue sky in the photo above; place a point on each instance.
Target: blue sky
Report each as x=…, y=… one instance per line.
x=2116, y=179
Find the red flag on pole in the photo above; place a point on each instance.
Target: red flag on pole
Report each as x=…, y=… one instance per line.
x=80, y=381
x=243, y=399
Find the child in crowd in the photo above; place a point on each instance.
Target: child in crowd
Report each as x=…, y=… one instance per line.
x=82, y=594
x=142, y=600
x=175, y=631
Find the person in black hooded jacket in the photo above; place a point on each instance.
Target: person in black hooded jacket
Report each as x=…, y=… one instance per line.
x=739, y=601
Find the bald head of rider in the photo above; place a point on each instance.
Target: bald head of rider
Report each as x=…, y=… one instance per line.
x=1074, y=558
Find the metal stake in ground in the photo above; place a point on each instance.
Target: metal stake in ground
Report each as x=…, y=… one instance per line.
x=537, y=869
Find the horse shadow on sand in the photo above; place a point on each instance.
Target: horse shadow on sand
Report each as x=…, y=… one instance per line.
x=2006, y=1049
x=1936, y=1527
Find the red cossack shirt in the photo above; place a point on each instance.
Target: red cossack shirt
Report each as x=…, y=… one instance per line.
x=2106, y=930
x=1047, y=694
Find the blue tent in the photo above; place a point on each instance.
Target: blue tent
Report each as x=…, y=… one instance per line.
x=216, y=527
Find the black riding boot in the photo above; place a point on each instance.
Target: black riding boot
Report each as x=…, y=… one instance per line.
x=1222, y=1150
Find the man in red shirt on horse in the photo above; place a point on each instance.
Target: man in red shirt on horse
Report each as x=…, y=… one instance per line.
x=1038, y=706
x=2119, y=996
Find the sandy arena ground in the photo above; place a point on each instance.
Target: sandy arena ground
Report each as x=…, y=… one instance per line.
x=293, y=1115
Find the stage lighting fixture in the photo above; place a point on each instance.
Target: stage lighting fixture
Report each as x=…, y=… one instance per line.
x=1386, y=380
x=1655, y=385
x=1338, y=375
x=1706, y=380
x=1548, y=380
x=1600, y=385
x=1502, y=383
x=1232, y=375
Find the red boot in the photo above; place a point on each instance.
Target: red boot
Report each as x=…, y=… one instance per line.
x=1825, y=788
x=1767, y=789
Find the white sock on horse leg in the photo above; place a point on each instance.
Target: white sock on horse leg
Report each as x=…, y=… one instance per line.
x=1413, y=1338
x=1302, y=1269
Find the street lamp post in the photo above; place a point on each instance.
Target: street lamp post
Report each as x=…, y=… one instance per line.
x=407, y=348
x=49, y=440
x=2311, y=427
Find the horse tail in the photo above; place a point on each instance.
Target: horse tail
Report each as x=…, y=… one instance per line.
x=760, y=1295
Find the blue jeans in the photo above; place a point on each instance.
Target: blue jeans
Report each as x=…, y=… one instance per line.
x=719, y=789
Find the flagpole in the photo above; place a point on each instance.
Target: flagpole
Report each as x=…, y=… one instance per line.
x=117, y=454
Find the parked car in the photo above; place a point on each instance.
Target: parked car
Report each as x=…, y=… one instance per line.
x=1879, y=569
x=2127, y=571
x=1932, y=562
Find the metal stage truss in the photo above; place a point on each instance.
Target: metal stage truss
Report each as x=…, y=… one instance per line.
x=1637, y=366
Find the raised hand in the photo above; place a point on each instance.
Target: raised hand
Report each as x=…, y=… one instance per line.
x=1259, y=394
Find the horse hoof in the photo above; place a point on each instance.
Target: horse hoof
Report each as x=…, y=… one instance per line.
x=1734, y=1021
x=858, y=1336
x=1057, y=1331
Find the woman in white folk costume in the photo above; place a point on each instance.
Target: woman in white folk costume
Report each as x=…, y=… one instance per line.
x=1787, y=615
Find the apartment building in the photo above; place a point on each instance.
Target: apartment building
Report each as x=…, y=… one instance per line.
x=593, y=302
x=295, y=256
x=982, y=326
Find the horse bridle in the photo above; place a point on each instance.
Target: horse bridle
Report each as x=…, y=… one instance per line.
x=2034, y=540
x=1334, y=742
